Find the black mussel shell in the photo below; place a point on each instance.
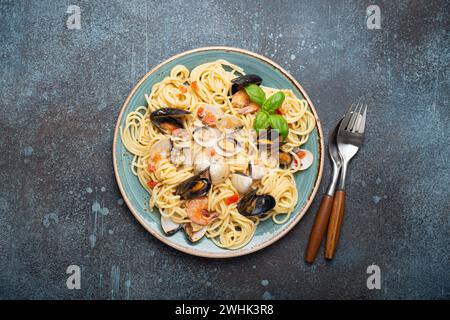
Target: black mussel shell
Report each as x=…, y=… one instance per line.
x=194, y=187
x=264, y=203
x=171, y=112
x=183, y=187
x=243, y=204
x=252, y=204
x=167, y=124
x=167, y=119
x=197, y=189
x=242, y=81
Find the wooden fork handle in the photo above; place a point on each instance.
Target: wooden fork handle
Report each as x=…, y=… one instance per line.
x=319, y=228
x=334, y=226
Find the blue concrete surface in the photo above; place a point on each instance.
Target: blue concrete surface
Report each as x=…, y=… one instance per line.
x=61, y=91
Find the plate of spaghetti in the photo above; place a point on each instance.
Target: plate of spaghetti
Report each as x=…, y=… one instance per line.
x=218, y=152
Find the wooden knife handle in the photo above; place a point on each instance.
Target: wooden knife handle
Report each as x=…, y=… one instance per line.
x=334, y=226
x=319, y=228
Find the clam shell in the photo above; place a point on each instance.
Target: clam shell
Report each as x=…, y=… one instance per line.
x=229, y=122
x=201, y=162
x=219, y=170
x=205, y=136
x=194, y=236
x=257, y=171
x=305, y=162
x=162, y=147
x=227, y=146
x=241, y=182
x=169, y=227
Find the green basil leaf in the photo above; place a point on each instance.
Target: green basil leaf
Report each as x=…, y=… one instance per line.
x=256, y=94
x=279, y=123
x=273, y=102
x=261, y=121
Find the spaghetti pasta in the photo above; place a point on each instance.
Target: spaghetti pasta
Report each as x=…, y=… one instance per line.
x=209, y=86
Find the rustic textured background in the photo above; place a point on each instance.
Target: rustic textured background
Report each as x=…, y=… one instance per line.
x=61, y=91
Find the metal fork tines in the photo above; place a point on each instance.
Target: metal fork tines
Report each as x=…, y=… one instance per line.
x=349, y=139
x=354, y=120
x=352, y=128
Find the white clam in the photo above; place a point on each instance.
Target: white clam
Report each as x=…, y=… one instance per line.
x=216, y=111
x=194, y=236
x=202, y=161
x=205, y=136
x=229, y=122
x=162, y=147
x=227, y=146
x=169, y=227
x=179, y=156
x=257, y=171
x=305, y=161
x=219, y=170
x=181, y=139
x=241, y=182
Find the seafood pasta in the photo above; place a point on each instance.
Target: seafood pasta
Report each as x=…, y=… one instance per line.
x=217, y=150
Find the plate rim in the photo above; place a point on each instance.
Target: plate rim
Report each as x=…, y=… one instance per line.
x=229, y=253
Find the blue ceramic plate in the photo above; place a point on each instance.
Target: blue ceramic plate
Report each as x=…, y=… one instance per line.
x=136, y=197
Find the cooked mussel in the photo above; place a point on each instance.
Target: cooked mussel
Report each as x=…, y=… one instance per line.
x=243, y=81
x=169, y=112
x=167, y=124
x=285, y=159
x=168, y=119
x=252, y=204
x=194, y=187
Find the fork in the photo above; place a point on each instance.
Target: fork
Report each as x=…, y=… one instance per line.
x=349, y=138
x=319, y=227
